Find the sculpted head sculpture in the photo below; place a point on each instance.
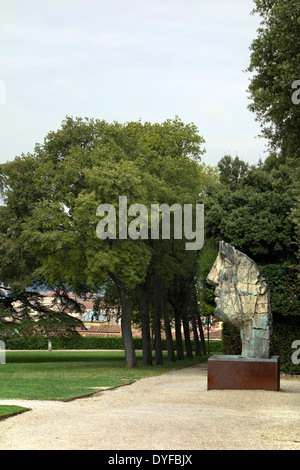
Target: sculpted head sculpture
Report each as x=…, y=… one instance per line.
x=242, y=298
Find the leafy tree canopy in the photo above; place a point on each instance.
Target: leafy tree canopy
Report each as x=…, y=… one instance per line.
x=254, y=213
x=275, y=64
x=48, y=223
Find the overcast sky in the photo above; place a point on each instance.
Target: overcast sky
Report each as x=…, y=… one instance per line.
x=125, y=60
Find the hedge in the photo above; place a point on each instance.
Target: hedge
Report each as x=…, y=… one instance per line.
x=84, y=342
x=286, y=330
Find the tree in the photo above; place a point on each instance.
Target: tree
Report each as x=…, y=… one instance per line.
x=295, y=212
x=232, y=170
x=274, y=91
x=255, y=214
x=285, y=289
x=275, y=64
x=25, y=315
x=52, y=230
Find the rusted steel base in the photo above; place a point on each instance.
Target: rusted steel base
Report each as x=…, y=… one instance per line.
x=243, y=373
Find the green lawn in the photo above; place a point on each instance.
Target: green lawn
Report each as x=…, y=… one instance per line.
x=9, y=410
x=62, y=375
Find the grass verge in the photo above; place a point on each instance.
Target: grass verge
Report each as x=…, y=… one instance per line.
x=63, y=375
x=9, y=410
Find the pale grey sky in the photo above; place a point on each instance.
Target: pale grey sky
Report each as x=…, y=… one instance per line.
x=127, y=60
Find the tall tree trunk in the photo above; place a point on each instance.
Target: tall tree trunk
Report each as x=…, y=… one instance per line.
x=179, y=344
x=157, y=318
x=194, y=311
x=169, y=339
x=130, y=357
x=202, y=339
x=187, y=336
x=145, y=320
x=196, y=336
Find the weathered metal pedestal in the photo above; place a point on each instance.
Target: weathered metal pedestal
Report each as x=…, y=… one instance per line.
x=243, y=373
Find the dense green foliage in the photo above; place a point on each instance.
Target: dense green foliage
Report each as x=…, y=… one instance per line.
x=85, y=342
x=285, y=289
x=275, y=63
x=254, y=214
x=16, y=314
x=285, y=333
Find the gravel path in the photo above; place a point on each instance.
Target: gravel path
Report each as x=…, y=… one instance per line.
x=173, y=411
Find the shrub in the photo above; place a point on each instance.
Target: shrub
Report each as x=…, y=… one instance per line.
x=285, y=331
x=232, y=343
x=85, y=342
x=284, y=286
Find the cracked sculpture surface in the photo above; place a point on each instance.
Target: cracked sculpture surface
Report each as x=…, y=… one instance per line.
x=242, y=298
